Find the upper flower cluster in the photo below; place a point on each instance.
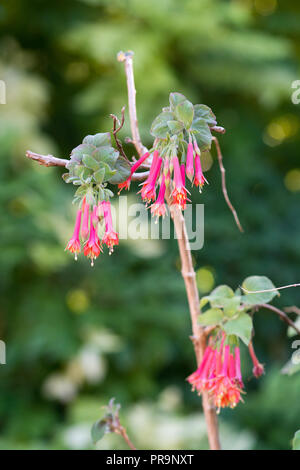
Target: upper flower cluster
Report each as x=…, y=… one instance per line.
x=182, y=131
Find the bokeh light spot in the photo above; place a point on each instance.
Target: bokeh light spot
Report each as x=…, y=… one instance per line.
x=292, y=180
x=205, y=279
x=265, y=7
x=77, y=300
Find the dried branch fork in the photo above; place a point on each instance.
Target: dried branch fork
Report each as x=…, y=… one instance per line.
x=224, y=189
x=188, y=273
x=281, y=315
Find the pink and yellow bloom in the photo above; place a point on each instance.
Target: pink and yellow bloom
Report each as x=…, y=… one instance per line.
x=159, y=208
x=92, y=248
x=135, y=166
x=179, y=193
x=111, y=237
x=74, y=243
x=148, y=191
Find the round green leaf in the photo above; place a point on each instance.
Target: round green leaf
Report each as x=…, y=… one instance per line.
x=254, y=283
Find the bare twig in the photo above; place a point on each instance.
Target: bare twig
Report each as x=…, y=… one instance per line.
x=292, y=309
x=218, y=129
x=224, y=189
x=282, y=315
x=140, y=176
x=187, y=270
x=268, y=290
x=117, y=129
x=46, y=160
x=127, y=59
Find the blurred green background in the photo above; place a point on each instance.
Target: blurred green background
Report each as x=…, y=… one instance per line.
x=77, y=336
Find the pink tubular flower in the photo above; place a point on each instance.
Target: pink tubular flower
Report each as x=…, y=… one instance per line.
x=148, y=190
x=258, y=368
x=74, y=243
x=159, y=208
x=219, y=374
x=110, y=238
x=182, y=171
x=85, y=220
x=179, y=193
x=92, y=247
x=190, y=162
x=126, y=183
x=199, y=179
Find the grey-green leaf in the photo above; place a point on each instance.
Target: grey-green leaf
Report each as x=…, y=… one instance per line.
x=185, y=113
x=98, y=430
x=203, y=111
x=99, y=175
x=175, y=126
x=90, y=162
x=98, y=139
x=175, y=99
x=122, y=171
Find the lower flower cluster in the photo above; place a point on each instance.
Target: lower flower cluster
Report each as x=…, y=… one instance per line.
x=219, y=374
x=88, y=225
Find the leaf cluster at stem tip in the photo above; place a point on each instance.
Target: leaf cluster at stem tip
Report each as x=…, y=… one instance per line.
x=232, y=311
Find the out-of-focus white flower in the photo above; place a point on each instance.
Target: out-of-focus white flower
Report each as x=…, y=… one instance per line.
x=59, y=387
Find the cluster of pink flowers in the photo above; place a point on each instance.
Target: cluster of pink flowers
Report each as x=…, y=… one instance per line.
x=87, y=225
x=220, y=375
x=161, y=171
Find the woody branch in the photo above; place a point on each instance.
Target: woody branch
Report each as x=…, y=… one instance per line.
x=187, y=270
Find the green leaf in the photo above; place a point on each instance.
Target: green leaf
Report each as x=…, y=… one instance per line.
x=160, y=126
x=98, y=430
x=231, y=306
x=203, y=301
x=90, y=162
x=175, y=126
x=185, y=113
x=296, y=441
x=98, y=140
x=99, y=175
x=213, y=316
x=204, y=112
x=122, y=171
x=254, y=283
x=218, y=295
x=175, y=99
x=240, y=326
